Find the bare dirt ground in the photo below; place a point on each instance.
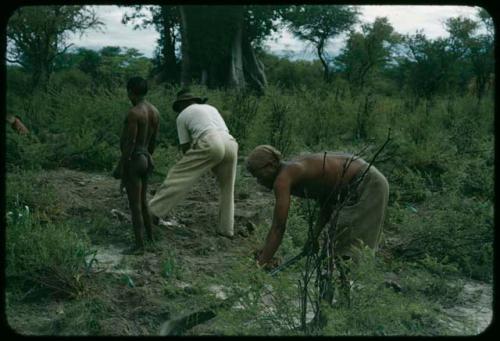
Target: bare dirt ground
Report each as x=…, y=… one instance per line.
x=186, y=248
x=135, y=294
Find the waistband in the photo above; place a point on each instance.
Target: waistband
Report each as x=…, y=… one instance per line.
x=210, y=132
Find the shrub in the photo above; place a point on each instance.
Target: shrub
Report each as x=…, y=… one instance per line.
x=48, y=257
x=24, y=188
x=454, y=230
x=25, y=152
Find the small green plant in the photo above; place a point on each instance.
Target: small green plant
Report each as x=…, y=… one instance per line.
x=50, y=256
x=170, y=268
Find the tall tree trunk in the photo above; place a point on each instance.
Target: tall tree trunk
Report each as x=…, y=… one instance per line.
x=236, y=76
x=186, y=60
x=254, y=69
x=169, y=67
x=326, y=70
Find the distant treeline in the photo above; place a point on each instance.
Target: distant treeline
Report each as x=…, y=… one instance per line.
x=222, y=46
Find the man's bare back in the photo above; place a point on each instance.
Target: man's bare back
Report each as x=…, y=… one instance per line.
x=314, y=176
x=144, y=119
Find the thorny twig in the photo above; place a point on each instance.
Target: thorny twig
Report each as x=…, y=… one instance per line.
x=323, y=278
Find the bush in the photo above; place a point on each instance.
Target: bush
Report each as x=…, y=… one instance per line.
x=26, y=152
x=454, y=230
x=23, y=188
x=375, y=309
x=48, y=257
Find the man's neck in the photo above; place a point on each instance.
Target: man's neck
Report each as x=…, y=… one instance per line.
x=138, y=100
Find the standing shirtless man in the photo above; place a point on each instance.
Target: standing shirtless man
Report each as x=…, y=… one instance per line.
x=137, y=144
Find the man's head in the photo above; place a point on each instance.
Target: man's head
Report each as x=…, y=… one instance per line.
x=264, y=163
x=137, y=87
x=184, y=99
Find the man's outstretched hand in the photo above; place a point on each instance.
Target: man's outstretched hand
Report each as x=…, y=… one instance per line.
x=269, y=265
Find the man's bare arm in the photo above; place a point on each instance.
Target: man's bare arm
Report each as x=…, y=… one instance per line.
x=275, y=235
x=152, y=141
x=118, y=171
x=129, y=138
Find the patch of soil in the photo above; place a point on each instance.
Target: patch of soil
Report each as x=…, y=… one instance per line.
x=475, y=312
x=135, y=287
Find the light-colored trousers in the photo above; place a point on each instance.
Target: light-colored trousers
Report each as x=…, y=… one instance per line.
x=216, y=151
x=361, y=223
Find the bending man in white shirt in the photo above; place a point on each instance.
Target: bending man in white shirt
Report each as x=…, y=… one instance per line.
x=207, y=145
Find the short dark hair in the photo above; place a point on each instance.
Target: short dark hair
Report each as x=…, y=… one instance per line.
x=138, y=86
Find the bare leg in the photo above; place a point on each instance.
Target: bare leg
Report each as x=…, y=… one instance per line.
x=146, y=216
x=133, y=186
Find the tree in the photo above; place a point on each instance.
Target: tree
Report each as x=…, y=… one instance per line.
x=427, y=65
x=218, y=43
x=367, y=51
x=117, y=65
x=166, y=20
x=36, y=35
x=318, y=24
x=474, y=51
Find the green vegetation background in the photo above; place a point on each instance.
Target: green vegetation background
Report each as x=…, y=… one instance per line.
x=439, y=226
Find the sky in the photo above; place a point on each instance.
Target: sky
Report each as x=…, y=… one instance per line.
x=404, y=19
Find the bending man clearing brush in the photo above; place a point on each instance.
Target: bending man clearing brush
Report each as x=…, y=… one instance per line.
x=207, y=145
x=326, y=178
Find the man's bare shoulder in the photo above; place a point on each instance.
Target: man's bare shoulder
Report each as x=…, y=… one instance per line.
x=143, y=110
x=135, y=113
x=153, y=109
x=290, y=173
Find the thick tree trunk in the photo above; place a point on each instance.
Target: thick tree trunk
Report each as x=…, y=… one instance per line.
x=215, y=51
x=236, y=75
x=186, y=60
x=204, y=77
x=169, y=69
x=254, y=69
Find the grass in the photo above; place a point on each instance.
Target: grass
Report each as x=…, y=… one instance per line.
x=438, y=230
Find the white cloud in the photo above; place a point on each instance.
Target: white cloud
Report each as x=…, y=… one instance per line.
x=409, y=19
x=117, y=34
x=404, y=19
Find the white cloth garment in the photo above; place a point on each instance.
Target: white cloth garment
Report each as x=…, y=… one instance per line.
x=197, y=119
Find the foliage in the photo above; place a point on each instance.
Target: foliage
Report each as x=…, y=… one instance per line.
x=36, y=35
x=245, y=109
x=166, y=21
x=367, y=51
x=375, y=309
x=436, y=95
x=318, y=24
x=49, y=256
x=289, y=74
